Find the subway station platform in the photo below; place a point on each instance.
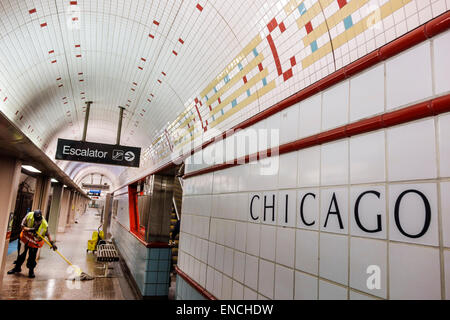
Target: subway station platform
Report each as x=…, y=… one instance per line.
x=52, y=271
x=226, y=150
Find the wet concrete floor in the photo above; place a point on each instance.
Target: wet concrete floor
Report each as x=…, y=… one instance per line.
x=52, y=271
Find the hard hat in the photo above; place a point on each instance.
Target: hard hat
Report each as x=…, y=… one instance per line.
x=37, y=215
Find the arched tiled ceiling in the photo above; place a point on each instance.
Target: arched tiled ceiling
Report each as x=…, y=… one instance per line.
x=85, y=172
x=164, y=60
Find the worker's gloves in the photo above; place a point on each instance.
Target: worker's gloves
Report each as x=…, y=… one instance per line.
x=54, y=247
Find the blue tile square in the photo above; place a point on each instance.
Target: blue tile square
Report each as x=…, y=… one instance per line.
x=255, y=52
x=154, y=254
x=152, y=277
x=233, y=103
x=163, y=265
x=162, y=290
x=348, y=22
x=152, y=265
x=302, y=8
x=163, y=277
x=150, y=290
x=314, y=46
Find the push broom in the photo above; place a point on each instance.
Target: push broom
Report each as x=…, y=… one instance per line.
x=81, y=276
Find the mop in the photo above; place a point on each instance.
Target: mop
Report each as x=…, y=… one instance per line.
x=81, y=276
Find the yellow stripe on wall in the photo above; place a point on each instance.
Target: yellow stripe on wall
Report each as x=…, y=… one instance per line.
x=333, y=20
x=386, y=10
x=270, y=86
x=250, y=83
x=248, y=48
x=238, y=77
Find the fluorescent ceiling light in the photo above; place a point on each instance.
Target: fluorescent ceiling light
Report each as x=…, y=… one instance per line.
x=31, y=169
x=65, y=186
x=54, y=180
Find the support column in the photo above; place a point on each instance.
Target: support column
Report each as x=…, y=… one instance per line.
x=40, y=199
x=64, y=210
x=71, y=208
x=107, y=215
x=55, y=210
x=10, y=175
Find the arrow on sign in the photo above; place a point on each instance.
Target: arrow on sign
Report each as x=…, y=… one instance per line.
x=129, y=156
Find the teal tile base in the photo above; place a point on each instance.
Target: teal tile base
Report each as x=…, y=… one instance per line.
x=184, y=291
x=150, y=267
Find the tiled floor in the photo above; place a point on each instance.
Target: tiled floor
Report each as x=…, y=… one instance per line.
x=52, y=271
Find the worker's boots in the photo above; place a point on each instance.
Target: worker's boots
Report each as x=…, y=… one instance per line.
x=14, y=270
x=31, y=274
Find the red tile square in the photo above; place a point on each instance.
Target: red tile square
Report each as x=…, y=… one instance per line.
x=309, y=27
x=293, y=61
x=341, y=3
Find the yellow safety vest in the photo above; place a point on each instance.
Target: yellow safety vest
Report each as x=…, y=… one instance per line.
x=42, y=228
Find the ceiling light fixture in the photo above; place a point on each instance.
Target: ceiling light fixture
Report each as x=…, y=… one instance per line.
x=31, y=169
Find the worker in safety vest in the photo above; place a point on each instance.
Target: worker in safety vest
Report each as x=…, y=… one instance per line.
x=32, y=224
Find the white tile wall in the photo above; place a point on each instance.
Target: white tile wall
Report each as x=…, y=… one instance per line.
x=251, y=271
x=288, y=124
x=287, y=175
x=329, y=291
x=266, y=278
x=367, y=158
x=309, y=167
x=335, y=106
x=244, y=258
x=365, y=253
x=367, y=94
x=334, y=163
x=310, y=118
x=447, y=273
x=268, y=242
x=444, y=146
x=408, y=76
x=414, y=272
x=284, y=253
x=441, y=47
x=284, y=283
x=445, y=212
x=414, y=144
x=333, y=258
x=306, y=251
x=306, y=287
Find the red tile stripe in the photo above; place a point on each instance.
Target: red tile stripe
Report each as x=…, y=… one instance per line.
x=422, y=33
x=419, y=111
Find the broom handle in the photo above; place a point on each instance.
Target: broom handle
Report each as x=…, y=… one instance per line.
x=55, y=250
